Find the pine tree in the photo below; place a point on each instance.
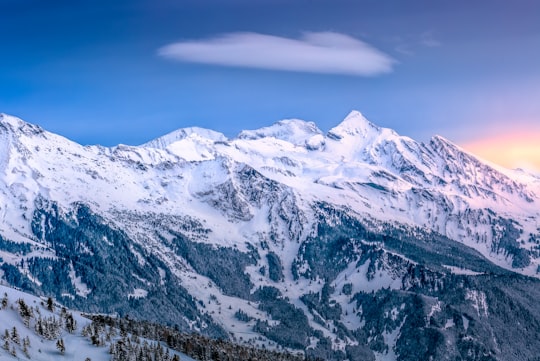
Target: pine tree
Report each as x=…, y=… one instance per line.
x=26, y=341
x=25, y=312
x=25, y=350
x=71, y=324
x=15, y=336
x=86, y=331
x=38, y=327
x=60, y=346
x=50, y=304
x=95, y=339
x=4, y=302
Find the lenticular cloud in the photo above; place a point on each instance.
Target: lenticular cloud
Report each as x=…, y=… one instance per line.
x=323, y=52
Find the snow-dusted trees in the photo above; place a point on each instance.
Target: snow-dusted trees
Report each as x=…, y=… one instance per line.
x=26, y=344
x=15, y=336
x=126, y=349
x=97, y=333
x=12, y=341
x=196, y=346
x=49, y=328
x=25, y=312
x=70, y=323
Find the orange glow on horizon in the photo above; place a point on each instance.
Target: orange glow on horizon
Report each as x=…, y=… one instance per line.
x=511, y=150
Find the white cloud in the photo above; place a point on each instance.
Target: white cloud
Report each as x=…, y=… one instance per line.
x=322, y=52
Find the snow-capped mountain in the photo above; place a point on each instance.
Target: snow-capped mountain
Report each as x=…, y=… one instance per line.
x=278, y=236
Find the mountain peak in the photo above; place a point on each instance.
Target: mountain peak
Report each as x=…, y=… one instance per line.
x=11, y=120
x=294, y=131
x=354, y=124
x=18, y=125
x=183, y=133
x=441, y=139
x=440, y=143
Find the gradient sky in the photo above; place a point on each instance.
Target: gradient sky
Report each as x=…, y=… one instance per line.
x=127, y=71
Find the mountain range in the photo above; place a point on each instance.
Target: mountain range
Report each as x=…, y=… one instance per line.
x=357, y=243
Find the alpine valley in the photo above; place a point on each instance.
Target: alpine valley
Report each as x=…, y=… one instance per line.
x=355, y=244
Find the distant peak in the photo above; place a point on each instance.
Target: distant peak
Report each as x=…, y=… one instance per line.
x=353, y=114
x=18, y=125
x=183, y=133
x=299, y=123
x=442, y=141
x=449, y=150
x=440, y=138
x=294, y=131
x=11, y=120
x=354, y=124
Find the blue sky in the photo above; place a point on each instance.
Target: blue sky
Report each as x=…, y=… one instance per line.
x=125, y=71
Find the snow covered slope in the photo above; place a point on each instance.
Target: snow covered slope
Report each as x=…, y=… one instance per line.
x=239, y=233
x=32, y=328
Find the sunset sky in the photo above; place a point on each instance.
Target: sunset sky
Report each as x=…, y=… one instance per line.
x=127, y=71
x=511, y=150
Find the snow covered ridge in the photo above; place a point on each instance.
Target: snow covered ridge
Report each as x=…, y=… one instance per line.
x=281, y=237
x=372, y=170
